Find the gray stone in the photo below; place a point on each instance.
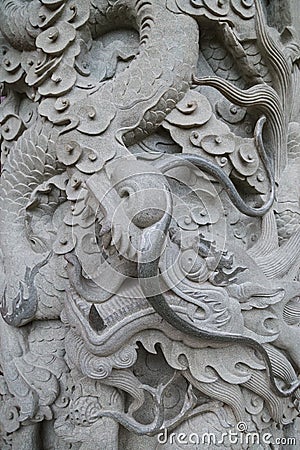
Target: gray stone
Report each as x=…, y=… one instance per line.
x=149, y=228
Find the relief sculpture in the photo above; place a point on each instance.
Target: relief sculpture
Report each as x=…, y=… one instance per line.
x=149, y=227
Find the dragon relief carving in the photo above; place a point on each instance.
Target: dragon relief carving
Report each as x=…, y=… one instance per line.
x=149, y=228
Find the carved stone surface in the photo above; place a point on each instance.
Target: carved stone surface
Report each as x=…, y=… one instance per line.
x=149, y=228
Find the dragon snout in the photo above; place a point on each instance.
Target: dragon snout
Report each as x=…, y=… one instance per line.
x=143, y=191
x=145, y=207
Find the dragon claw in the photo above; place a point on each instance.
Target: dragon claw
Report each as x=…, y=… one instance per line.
x=23, y=309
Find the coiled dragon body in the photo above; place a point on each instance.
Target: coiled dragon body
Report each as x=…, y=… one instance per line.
x=140, y=104
x=139, y=98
